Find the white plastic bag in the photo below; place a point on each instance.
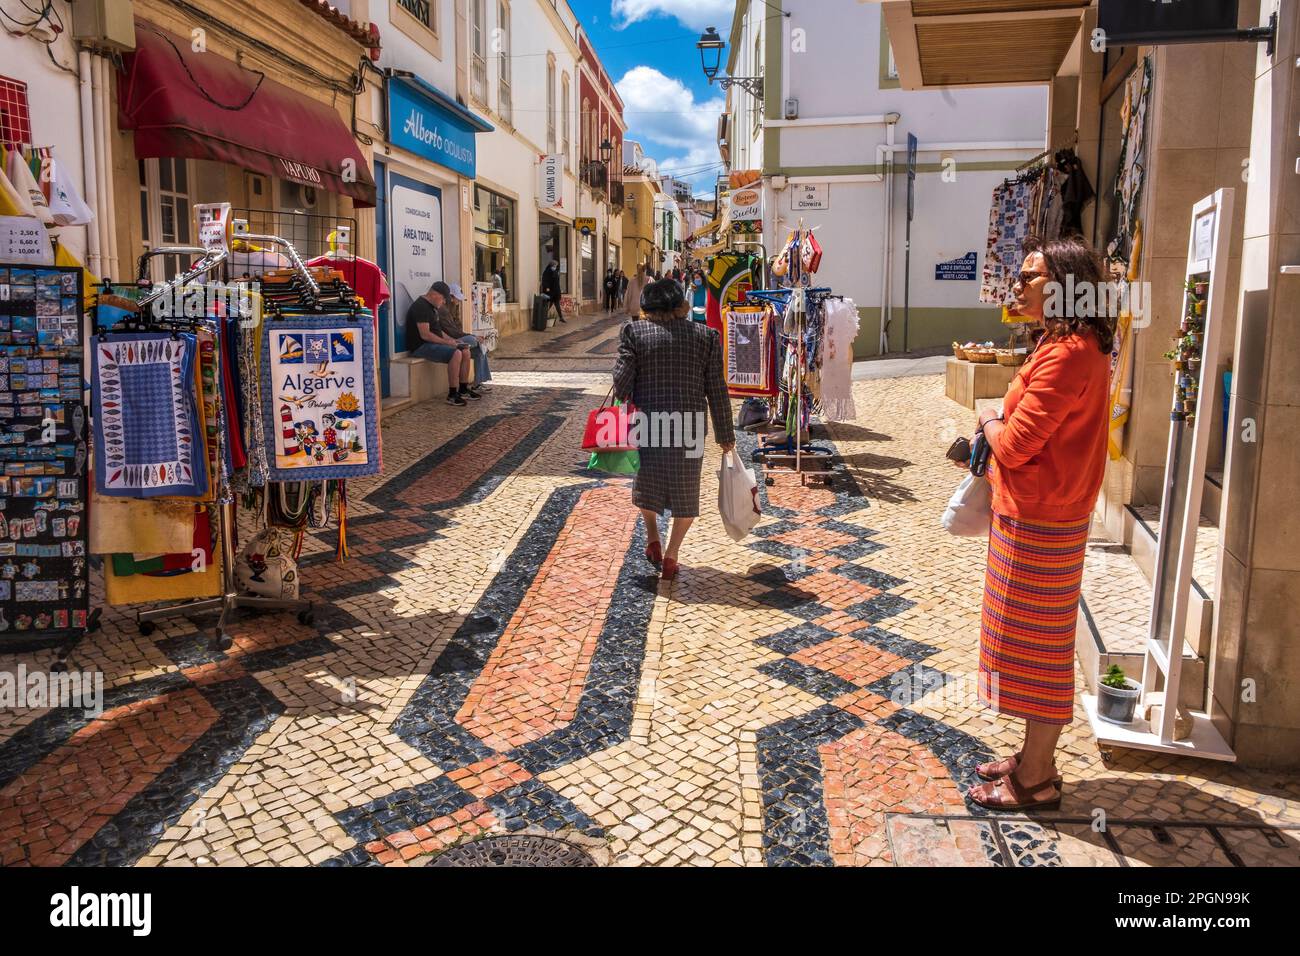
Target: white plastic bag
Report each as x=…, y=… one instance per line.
x=737, y=497
x=970, y=510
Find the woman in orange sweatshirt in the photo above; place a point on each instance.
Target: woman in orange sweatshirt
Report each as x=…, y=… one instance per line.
x=1049, y=454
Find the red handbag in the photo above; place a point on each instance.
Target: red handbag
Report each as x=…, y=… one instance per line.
x=609, y=428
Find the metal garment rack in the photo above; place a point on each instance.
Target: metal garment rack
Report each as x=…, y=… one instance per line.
x=230, y=598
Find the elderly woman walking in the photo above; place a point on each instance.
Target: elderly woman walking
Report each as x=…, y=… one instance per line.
x=667, y=364
x=1049, y=454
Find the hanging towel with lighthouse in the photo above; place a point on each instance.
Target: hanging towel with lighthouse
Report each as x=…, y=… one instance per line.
x=318, y=397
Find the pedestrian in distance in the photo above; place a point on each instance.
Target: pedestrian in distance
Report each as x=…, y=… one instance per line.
x=551, y=287
x=1048, y=445
x=668, y=364
x=622, y=288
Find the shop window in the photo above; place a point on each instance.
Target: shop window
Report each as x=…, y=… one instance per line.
x=553, y=243
x=15, y=119
x=588, y=249
x=166, y=212
x=422, y=10
x=504, y=104
x=478, y=49
x=550, y=105
x=494, y=241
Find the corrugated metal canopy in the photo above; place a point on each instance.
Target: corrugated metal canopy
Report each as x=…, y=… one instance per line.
x=980, y=42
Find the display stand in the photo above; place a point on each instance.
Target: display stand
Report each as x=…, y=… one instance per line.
x=44, y=573
x=230, y=599
x=1189, y=439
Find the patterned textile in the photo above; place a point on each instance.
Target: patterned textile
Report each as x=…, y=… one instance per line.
x=728, y=279
x=1031, y=605
x=837, y=360
x=148, y=436
x=673, y=367
x=745, y=346
x=1008, y=228
x=320, y=408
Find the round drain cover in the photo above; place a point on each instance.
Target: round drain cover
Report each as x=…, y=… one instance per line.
x=521, y=850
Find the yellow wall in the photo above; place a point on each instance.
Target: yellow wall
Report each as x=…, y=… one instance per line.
x=639, y=231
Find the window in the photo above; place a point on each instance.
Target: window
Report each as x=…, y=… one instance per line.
x=550, y=105
x=422, y=10
x=553, y=246
x=585, y=131
x=165, y=213
x=15, y=119
x=756, y=105
x=503, y=70
x=892, y=71
x=494, y=241
x=564, y=118
x=478, y=50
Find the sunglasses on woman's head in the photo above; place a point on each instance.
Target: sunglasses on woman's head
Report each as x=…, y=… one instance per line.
x=1025, y=278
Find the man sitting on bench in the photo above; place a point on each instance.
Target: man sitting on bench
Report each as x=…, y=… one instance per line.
x=425, y=321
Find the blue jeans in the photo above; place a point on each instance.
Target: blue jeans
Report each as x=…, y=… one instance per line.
x=434, y=352
x=481, y=371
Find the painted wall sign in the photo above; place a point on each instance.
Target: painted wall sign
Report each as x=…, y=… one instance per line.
x=962, y=270
x=550, y=182
x=806, y=196
x=425, y=127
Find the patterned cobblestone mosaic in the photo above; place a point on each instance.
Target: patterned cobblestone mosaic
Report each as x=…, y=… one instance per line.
x=497, y=658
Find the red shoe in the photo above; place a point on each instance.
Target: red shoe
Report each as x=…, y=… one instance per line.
x=669, y=569
x=654, y=554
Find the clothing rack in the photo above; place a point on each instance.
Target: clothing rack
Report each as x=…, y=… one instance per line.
x=230, y=599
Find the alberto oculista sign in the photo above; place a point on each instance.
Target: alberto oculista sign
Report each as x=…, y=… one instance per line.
x=423, y=126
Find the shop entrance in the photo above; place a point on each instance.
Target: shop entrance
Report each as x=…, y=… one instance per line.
x=553, y=246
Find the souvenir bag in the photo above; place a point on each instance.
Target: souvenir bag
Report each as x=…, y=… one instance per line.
x=737, y=497
x=615, y=462
x=811, y=253
x=609, y=426
x=266, y=567
x=970, y=510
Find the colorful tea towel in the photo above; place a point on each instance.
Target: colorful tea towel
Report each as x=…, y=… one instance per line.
x=836, y=393
x=148, y=437
x=319, y=401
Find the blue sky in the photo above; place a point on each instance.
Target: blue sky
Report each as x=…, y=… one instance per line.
x=648, y=47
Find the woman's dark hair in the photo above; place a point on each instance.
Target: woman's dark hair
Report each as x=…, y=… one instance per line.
x=662, y=297
x=1070, y=256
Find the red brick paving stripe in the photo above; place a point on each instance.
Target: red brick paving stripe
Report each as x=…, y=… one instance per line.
x=815, y=538
x=61, y=802
x=851, y=660
x=453, y=477
x=787, y=492
x=873, y=771
x=531, y=684
x=834, y=591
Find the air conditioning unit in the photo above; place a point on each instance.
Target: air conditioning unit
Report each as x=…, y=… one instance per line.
x=104, y=24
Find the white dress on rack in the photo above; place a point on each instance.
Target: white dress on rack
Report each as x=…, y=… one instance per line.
x=841, y=317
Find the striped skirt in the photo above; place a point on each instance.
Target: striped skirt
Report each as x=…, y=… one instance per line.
x=1031, y=606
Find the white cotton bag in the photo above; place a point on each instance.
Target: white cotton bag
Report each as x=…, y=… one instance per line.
x=970, y=510
x=737, y=497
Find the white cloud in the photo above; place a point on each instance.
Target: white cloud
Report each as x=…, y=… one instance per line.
x=674, y=128
x=696, y=14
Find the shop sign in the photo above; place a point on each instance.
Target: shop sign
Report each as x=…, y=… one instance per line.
x=415, y=209
x=550, y=182
x=746, y=204
x=425, y=127
x=585, y=225
x=24, y=240
x=962, y=269
x=214, y=225
x=1123, y=21
x=300, y=172
x=1203, y=237
x=806, y=197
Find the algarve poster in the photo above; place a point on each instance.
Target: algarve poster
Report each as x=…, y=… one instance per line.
x=318, y=389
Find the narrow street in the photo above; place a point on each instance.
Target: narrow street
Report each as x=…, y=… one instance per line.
x=496, y=656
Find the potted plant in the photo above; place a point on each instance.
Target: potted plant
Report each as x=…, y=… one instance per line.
x=1117, y=696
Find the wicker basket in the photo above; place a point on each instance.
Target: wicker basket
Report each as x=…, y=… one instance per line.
x=958, y=351
x=1011, y=359
x=981, y=356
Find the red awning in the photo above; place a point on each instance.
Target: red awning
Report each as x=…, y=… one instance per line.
x=203, y=106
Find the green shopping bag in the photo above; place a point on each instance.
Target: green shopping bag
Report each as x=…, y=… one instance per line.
x=615, y=462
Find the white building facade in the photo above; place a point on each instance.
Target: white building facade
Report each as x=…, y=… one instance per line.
x=829, y=134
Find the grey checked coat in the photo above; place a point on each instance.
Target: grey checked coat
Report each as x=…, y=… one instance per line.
x=673, y=366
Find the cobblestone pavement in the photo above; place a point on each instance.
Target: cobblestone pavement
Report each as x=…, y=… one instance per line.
x=496, y=657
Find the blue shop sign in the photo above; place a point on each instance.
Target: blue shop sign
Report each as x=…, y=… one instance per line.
x=962, y=270
x=425, y=121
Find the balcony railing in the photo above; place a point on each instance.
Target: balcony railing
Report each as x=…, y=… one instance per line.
x=596, y=175
x=418, y=9
x=616, y=195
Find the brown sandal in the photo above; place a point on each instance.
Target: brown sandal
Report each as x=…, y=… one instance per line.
x=996, y=769
x=1008, y=794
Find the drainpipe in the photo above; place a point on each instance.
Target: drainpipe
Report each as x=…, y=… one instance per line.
x=885, y=159
x=103, y=128
x=89, y=169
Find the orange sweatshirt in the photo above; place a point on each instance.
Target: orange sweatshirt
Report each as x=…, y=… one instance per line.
x=1052, y=451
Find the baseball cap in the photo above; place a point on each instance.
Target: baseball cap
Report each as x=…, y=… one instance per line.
x=441, y=288
x=456, y=292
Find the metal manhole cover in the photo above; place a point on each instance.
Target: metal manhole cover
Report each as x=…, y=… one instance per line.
x=521, y=850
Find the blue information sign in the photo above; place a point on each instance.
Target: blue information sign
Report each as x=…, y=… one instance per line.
x=962, y=269
x=442, y=132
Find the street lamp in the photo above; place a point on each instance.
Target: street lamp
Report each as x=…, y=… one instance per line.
x=711, y=46
x=606, y=151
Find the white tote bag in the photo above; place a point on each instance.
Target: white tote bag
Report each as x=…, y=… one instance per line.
x=737, y=497
x=970, y=510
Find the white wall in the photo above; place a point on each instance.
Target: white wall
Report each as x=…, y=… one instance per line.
x=54, y=100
